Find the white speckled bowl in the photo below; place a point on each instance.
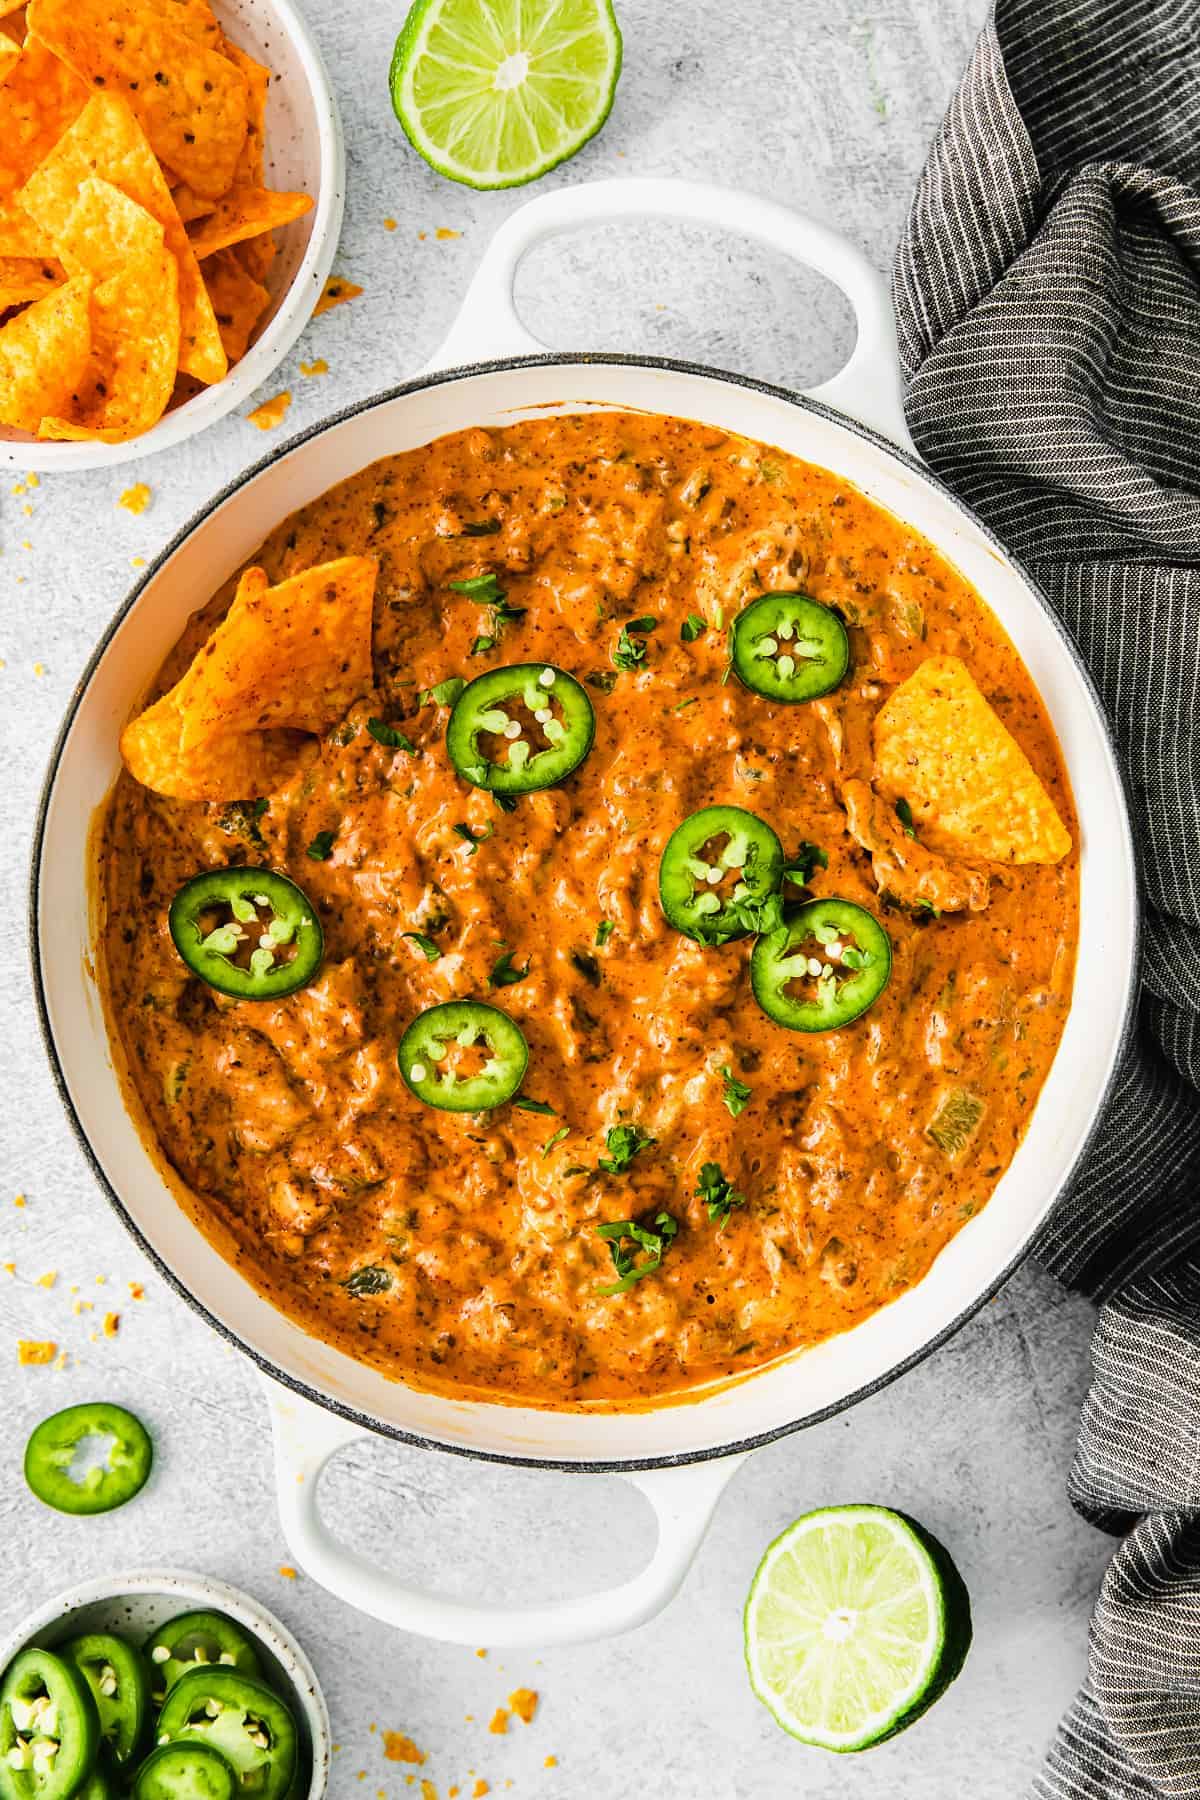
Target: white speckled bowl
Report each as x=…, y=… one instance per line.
x=304, y=152
x=137, y=1604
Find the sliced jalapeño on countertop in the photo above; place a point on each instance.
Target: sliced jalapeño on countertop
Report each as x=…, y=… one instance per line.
x=719, y=869
x=249, y=933
x=789, y=647
x=463, y=1056
x=49, y=1731
x=185, y=1771
x=239, y=1717
x=823, y=967
x=120, y=1682
x=197, y=1640
x=520, y=728
x=88, y=1458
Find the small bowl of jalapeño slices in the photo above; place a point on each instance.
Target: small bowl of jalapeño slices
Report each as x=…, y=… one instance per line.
x=159, y=1685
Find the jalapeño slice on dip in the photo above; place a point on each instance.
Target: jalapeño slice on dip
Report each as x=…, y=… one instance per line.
x=823, y=967
x=520, y=728
x=463, y=1056
x=788, y=647
x=717, y=872
x=249, y=933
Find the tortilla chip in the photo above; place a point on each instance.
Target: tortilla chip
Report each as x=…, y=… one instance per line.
x=107, y=141
x=244, y=213
x=10, y=56
x=284, y=661
x=256, y=255
x=43, y=354
x=271, y=412
x=19, y=236
x=193, y=17
x=190, y=205
x=972, y=789
x=105, y=229
x=249, y=172
x=135, y=347
x=336, y=292
x=8, y=7
x=189, y=100
x=238, y=301
x=25, y=278
x=40, y=98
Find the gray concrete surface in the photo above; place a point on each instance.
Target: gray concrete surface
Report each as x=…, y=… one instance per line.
x=828, y=103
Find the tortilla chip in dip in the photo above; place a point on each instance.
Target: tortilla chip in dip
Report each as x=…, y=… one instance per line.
x=284, y=661
x=972, y=790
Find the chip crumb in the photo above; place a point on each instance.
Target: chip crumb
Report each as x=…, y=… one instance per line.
x=18, y=1199
x=389, y=224
x=551, y=1762
x=444, y=231
x=335, y=293
x=317, y=367
x=48, y=1279
x=112, y=1324
x=33, y=1351
x=61, y=1360
x=481, y=1653
x=398, y=1747
x=27, y=510
x=288, y=1573
x=480, y=1789
x=33, y=481
x=136, y=1290
x=524, y=1703
x=499, y=1724
x=10, y=1268
x=38, y=668
x=421, y=236
x=452, y=1792
x=428, y=1791
x=362, y=1775
x=19, y=487
x=137, y=562
x=270, y=413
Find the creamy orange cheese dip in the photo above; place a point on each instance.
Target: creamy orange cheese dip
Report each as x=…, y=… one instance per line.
x=461, y=1252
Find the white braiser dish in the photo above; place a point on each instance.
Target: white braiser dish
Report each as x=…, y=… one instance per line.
x=806, y=1385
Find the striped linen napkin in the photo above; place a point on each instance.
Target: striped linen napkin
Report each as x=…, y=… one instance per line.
x=1048, y=292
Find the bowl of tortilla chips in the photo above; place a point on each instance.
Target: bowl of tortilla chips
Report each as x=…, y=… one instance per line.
x=171, y=190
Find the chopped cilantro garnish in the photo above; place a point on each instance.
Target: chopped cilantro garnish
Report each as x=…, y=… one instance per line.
x=904, y=814
x=717, y=1193
x=425, y=944
x=735, y=1093
x=604, y=931
x=506, y=802
x=630, y=652
x=557, y=1138
x=627, y=1239
x=505, y=973
x=692, y=628
x=804, y=864
x=390, y=735
x=623, y=1143
x=474, y=838
x=587, y=965
x=241, y=820
x=604, y=680
x=444, y=693
x=482, y=645
x=480, y=528
x=321, y=846
x=371, y=1280
x=484, y=588
x=535, y=1106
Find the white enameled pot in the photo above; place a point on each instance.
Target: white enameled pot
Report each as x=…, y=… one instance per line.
x=679, y=1455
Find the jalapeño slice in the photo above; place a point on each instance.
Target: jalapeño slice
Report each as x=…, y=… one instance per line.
x=120, y=1684
x=49, y=1732
x=249, y=933
x=196, y=1640
x=789, y=647
x=463, y=1056
x=823, y=967
x=718, y=870
x=186, y=1772
x=517, y=729
x=60, y=1471
x=239, y=1717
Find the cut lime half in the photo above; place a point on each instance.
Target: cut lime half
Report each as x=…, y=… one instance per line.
x=496, y=92
x=856, y=1622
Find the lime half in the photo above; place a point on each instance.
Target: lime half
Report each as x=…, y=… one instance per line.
x=496, y=92
x=856, y=1621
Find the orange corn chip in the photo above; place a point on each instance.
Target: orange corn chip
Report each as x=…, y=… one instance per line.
x=189, y=100
x=193, y=17
x=256, y=255
x=10, y=56
x=249, y=172
x=284, y=661
x=336, y=292
x=24, y=278
x=43, y=354
x=19, y=236
x=238, y=301
x=135, y=350
x=8, y=7
x=105, y=229
x=271, y=412
x=39, y=99
x=107, y=141
x=188, y=205
x=971, y=788
x=243, y=213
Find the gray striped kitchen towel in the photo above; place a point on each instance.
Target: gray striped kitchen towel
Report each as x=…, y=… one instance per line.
x=1048, y=291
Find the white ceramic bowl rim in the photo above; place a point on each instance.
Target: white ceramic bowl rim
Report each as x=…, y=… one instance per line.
x=388, y=1428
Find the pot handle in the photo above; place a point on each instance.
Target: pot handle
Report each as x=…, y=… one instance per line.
x=307, y=1436
x=868, y=388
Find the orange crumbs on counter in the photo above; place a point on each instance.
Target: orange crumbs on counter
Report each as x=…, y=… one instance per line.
x=397, y=1747
x=270, y=413
x=112, y=1324
x=524, y=1703
x=289, y=1574
x=480, y=1789
x=336, y=292
x=135, y=499
x=499, y=1724
x=34, y=1351
x=48, y=1279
